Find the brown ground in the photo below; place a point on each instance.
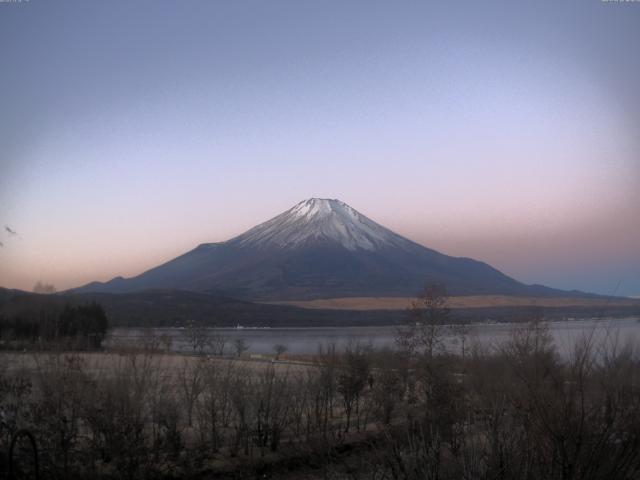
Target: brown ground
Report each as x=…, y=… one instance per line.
x=400, y=303
x=109, y=361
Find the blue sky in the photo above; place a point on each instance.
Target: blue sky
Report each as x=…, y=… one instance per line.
x=503, y=131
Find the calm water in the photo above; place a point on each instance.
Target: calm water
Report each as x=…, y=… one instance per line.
x=307, y=340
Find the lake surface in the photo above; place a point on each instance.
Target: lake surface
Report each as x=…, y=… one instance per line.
x=308, y=340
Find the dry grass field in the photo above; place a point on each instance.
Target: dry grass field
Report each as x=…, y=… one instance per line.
x=472, y=301
x=169, y=363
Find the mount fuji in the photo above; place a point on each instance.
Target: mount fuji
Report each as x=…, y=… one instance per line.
x=320, y=248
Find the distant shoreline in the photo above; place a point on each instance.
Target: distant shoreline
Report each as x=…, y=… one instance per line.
x=478, y=323
x=455, y=302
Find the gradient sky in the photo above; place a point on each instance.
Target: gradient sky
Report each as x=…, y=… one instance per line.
x=131, y=131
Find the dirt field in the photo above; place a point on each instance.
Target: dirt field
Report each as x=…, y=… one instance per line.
x=478, y=301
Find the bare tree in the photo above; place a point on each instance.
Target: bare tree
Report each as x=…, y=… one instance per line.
x=324, y=388
x=190, y=381
x=352, y=379
x=461, y=332
x=149, y=341
x=240, y=345
x=215, y=408
x=387, y=392
x=196, y=336
x=166, y=341
x=240, y=398
x=218, y=342
x=270, y=406
x=426, y=326
x=279, y=349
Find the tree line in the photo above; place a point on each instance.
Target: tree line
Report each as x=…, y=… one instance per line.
x=83, y=325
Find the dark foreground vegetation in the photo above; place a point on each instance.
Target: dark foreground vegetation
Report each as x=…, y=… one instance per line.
x=514, y=411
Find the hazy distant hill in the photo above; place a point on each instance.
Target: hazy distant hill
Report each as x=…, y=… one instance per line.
x=320, y=249
x=177, y=307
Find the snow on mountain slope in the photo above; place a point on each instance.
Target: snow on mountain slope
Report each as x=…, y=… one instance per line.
x=320, y=220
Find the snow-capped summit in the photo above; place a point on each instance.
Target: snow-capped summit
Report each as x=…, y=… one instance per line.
x=320, y=221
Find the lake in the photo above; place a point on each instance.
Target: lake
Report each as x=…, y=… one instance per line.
x=307, y=340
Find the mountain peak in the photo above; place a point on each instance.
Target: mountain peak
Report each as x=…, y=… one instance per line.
x=320, y=221
x=320, y=207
